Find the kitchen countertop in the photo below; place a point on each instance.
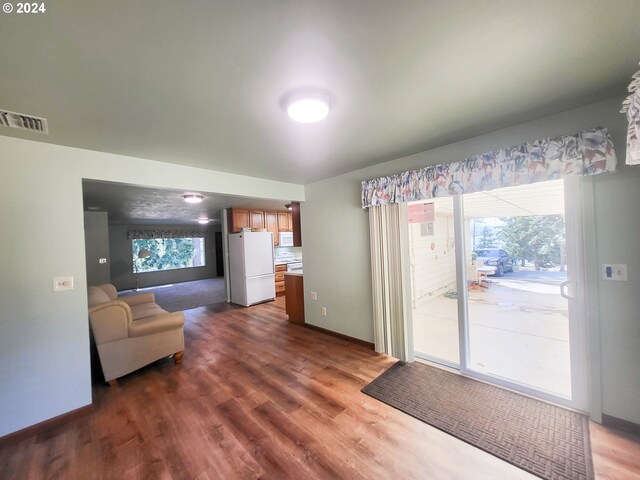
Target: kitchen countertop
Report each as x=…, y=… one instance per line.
x=297, y=273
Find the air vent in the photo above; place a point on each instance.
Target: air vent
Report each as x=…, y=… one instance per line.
x=24, y=122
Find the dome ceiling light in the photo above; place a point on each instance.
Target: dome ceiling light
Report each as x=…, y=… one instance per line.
x=307, y=106
x=203, y=221
x=192, y=197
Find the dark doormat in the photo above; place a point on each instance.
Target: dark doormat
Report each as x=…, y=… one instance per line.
x=548, y=441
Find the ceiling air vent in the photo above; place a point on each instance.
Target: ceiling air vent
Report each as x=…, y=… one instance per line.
x=24, y=122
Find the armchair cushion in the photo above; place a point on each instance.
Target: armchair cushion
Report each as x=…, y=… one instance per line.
x=97, y=296
x=146, y=310
x=156, y=324
x=109, y=290
x=110, y=321
x=139, y=298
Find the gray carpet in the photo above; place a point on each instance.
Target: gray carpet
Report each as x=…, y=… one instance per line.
x=187, y=295
x=547, y=441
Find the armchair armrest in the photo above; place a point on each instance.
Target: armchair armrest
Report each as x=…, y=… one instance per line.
x=138, y=298
x=110, y=321
x=156, y=324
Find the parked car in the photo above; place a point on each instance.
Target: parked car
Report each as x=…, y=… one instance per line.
x=495, y=257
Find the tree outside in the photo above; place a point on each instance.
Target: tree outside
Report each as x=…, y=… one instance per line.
x=540, y=239
x=488, y=238
x=168, y=253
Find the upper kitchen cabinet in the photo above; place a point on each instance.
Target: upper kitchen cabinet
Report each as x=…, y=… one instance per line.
x=243, y=218
x=256, y=219
x=296, y=224
x=240, y=219
x=271, y=224
x=284, y=222
x=274, y=222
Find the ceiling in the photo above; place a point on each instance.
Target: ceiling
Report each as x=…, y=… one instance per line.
x=134, y=204
x=200, y=83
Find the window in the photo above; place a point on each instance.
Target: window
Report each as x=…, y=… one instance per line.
x=167, y=254
x=427, y=229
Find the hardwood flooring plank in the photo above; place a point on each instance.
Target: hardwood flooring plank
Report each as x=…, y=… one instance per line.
x=259, y=398
x=305, y=448
x=248, y=432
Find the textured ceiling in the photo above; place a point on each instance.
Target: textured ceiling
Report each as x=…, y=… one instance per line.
x=134, y=204
x=200, y=83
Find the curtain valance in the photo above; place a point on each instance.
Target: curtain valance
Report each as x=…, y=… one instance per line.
x=631, y=106
x=147, y=234
x=585, y=153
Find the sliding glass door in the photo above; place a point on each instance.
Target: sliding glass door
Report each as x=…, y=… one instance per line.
x=510, y=316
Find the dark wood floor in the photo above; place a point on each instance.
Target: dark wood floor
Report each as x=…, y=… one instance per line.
x=257, y=397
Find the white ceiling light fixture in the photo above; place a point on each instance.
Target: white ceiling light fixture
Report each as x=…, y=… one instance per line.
x=307, y=106
x=192, y=197
x=203, y=221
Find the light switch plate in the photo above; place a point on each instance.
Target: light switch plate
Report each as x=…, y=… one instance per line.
x=314, y=295
x=102, y=260
x=60, y=284
x=614, y=271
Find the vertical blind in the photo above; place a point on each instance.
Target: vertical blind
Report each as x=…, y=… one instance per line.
x=387, y=279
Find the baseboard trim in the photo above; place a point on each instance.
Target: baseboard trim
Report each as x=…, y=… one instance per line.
x=341, y=336
x=620, y=424
x=44, y=426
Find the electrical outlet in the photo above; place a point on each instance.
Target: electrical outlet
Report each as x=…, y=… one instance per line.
x=314, y=295
x=102, y=260
x=324, y=311
x=61, y=284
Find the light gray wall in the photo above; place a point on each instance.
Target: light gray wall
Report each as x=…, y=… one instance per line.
x=336, y=245
x=122, y=275
x=617, y=219
x=44, y=336
x=96, y=242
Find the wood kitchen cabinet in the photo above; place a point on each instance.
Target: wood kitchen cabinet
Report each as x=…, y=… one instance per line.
x=295, y=224
x=280, y=286
x=271, y=224
x=294, y=300
x=256, y=219
x=242, y=218
x=272, y=221
x=239, y=219
x=284, y=222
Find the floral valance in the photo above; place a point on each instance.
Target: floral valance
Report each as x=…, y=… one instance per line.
x=631, y=106
x=147, y=234
x=586, y=153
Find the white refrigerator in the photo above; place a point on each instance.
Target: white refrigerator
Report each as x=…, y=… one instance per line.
x=251, y=267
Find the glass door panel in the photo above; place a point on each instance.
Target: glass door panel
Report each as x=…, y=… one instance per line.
x=518, y=322
x=433, y=280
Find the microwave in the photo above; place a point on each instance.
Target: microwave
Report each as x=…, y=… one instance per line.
x=285, y=239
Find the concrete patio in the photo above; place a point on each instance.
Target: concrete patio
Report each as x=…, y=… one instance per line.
x=519, y=330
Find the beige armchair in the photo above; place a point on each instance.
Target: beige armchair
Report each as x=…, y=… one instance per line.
x=132, y=331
